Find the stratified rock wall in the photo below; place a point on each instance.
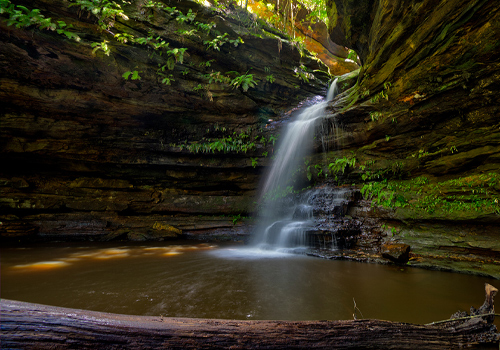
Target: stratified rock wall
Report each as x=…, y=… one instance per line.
x=86, y=153
x=423, y=124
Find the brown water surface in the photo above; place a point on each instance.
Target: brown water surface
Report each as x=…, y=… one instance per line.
x=201, y=280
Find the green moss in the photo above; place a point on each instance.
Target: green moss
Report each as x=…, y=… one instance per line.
x=386, y=184
x=347, y=81
x=332, y=15
x=353, y=97
x=490, y=46
x=448, y=86
x=466, y=65
x=347, y=27
x=460, y=198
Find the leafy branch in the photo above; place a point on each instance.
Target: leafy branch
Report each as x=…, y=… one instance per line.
x=22, y=17
x=220, y=40
x=106, y=11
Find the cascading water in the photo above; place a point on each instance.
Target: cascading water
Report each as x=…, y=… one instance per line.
x=284, y=227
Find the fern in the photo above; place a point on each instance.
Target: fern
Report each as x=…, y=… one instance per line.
x=178, y=54
x=124, y=37
x=62, y=29
x=167, y=79
x=244, y=81
x=189, y=17
x=217, y=43
x=205, y=27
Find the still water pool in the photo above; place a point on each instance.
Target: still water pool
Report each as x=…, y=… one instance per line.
x=202, y=280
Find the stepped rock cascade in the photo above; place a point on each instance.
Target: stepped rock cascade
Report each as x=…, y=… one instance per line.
x=286, y=227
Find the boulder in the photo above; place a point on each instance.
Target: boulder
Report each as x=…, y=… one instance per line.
x=396, y=252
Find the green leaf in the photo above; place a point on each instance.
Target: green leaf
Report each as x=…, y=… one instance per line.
x=23, y=8
x=126, y=75
x=135, y=75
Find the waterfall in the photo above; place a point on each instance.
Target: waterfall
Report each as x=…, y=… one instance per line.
x=281, y=226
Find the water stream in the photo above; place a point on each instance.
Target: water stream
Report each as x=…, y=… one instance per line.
x=284, y=227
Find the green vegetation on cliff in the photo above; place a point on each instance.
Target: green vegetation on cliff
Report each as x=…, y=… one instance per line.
x=123, y=99
x=162, y=50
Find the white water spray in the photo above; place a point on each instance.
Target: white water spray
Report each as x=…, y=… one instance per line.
x=279, y=229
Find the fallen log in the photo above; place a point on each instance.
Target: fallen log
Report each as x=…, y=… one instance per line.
x=34, y=326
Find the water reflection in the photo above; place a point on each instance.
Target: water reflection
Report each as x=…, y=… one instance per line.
x=200, y=281
x=110, y=253
x=42, y=265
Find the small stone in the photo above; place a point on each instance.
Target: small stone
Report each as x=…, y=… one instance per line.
x=396, y=252
x=165, y=230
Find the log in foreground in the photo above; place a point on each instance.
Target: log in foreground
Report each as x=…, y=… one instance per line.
x=34, y=326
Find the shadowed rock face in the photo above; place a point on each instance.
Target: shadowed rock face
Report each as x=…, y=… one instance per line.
x=350, y=24
x=89, y=154
x=423, y=116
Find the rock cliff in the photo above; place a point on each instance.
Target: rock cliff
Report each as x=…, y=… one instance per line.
x=422, y=123
x=160, y=125
x=146, y=122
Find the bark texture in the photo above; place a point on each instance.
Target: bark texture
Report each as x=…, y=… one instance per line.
x=34, y=326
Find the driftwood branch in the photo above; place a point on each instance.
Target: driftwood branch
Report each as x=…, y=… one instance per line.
x=490, y=295
x=486, y=311
x=34, y=326
x=356, y=308
x=460, y=319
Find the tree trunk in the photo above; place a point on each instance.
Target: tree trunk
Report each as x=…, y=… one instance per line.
x=34, y=326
